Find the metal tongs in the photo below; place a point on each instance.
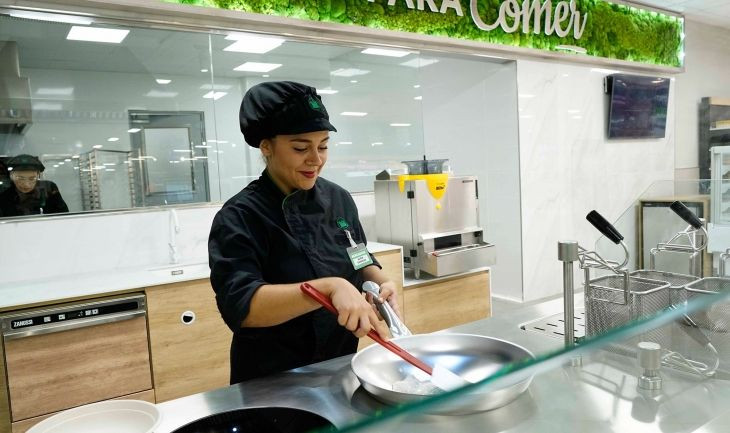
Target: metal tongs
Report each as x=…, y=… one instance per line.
x=396, y=326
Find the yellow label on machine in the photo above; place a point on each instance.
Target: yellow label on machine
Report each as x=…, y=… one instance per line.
x=436, y=184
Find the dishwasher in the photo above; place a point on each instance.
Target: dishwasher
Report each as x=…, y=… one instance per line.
x=67, y=355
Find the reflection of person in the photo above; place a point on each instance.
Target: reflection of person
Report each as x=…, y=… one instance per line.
x=288, y=227
x=29, y=195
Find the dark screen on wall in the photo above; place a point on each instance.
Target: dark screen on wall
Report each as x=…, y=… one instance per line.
x=638, y=107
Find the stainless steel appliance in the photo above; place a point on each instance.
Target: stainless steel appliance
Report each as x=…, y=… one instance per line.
x=435, y=217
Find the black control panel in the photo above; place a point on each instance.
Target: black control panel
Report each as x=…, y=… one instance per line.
x=72, y=314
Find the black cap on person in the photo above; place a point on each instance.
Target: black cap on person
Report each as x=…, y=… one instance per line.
x=281, y=107
x=25, y=162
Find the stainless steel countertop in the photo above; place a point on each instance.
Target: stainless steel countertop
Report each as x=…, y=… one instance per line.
x=601, y=396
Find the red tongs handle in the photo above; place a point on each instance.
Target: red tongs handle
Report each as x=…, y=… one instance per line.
x=315, y=294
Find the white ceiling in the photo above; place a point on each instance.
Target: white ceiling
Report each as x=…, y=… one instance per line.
x=714, y=12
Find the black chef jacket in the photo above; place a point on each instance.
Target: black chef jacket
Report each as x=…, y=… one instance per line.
x=45, y=195
x=260, y=236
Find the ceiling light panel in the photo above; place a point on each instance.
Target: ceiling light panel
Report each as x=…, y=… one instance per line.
x=257, y=67
x=249, y=43
x=214, y=95
x=97, y=34
x=385, y=52
x=348, y=72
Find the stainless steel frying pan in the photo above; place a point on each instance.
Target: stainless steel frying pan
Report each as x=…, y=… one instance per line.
x=473, y=357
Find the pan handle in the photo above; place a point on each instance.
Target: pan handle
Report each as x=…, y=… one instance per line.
x=687, y=215
x=605, y=227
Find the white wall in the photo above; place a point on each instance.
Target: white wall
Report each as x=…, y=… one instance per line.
x=568, y=167
x=707, y=73
x=470, y=118
x=74, y=245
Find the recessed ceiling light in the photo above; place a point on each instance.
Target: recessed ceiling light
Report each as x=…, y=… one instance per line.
x=353, y=81
x=327, y=91
x=109, y=163
x=203, y=70
x=67, y=160
x=418, y=98
x=249, y=43
x=385, y=52
x=377, y=143
x=163, y=81
x=55, y=91
x=348, y=72
x=182, y=150
x=353, y=113
x=416, y=86
x=133, y=130
x=159, y=94
x=97, y=34
x=345, y=142
x=49, y=106
x=400, y=124
x=55, y=165
x=112, y=139
x=419, y=62
x=214, y=95
x=97, y=146
x=76, y=156
x=266, y=75
x=257, y=67
x=203, y=146
x=56, y=18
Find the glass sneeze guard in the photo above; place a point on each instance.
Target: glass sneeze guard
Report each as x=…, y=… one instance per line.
x=664, y=367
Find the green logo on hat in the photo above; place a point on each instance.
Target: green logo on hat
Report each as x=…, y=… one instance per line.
x=314, y=104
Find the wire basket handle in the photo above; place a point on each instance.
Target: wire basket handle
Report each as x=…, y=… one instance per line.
x=695, y=224
x=609, y=231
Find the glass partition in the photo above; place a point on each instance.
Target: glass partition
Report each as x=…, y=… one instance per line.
x=651, y=350
x=170, y=99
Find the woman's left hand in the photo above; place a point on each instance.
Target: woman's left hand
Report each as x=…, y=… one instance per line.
x=389, y=294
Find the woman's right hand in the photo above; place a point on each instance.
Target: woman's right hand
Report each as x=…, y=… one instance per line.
x=354, y=312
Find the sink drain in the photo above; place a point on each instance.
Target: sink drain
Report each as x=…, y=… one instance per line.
x=553, y=326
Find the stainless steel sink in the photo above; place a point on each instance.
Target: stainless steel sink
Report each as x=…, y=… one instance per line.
x=259, y=419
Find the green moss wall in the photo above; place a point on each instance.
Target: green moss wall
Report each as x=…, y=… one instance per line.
x=612, y=31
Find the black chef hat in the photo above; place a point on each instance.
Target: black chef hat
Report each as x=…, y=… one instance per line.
x=281, y=107
x=25, y=162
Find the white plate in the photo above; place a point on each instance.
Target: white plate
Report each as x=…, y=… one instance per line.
x=113, y=416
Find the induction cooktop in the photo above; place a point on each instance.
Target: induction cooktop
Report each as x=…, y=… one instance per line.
x=259, y=420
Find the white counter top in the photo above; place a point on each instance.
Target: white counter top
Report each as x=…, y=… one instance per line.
x=28, y=293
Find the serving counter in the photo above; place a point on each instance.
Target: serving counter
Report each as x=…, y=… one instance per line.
x=600, y=396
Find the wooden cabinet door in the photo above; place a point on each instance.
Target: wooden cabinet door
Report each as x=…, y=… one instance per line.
x=442, y=304
x=187, y=358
